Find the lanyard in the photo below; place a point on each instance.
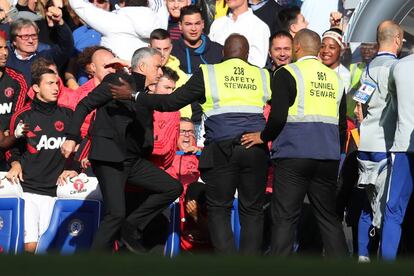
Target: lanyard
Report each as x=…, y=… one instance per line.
x=379, y=55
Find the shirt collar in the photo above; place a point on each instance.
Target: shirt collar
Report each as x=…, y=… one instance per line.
x=307, y=57
x=22, y=58
x=246, y=13
x=258, y=5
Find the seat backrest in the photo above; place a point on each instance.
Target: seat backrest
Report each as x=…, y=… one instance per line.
x=80, y=187
x=11, y=225
x=8, y=189
x=235, y=222
x=72, y=226
x=172, y=246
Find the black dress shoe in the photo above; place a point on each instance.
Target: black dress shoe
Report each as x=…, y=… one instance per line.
x=132, y=239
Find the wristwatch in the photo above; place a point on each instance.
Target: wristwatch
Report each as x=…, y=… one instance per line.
x=134, y=95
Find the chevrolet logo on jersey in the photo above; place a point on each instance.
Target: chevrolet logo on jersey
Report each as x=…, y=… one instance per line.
x=50, y=142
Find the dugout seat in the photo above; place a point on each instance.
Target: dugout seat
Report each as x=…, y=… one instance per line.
x=235, y=223
x=75, y=219
x=173, y=245
x=72, y=226
x=11, y=217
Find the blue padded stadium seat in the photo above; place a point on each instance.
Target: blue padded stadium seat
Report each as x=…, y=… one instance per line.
x=72, y=226
x=11, y=225
x=235, y=223
x=173, y=244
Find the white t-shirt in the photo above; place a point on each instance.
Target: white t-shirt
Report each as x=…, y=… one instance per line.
x=249, y=25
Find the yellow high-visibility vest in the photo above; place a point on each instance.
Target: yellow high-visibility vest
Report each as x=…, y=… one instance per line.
x=319, y=92
x=235, y=86
x=356, y=70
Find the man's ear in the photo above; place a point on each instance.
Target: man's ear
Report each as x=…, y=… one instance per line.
x=93, y=68
x=36, y=88
x=293, y=28
x=180, y=26
x=142, y=67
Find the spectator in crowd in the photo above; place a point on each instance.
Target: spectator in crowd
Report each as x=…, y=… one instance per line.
x=268, y=12
x=185, y=166
x=194, y=49
x=36, y=161
x=368, y=52
x=67, y=97
x=117, y=159
x=160, y=39
x=24, y=43
x=401, y=185
x=225, y=164
x=174, y=9
x=193, y=211
x=309, y=168
x=280, y=51
x=377, y=134
x=317, y=13
x=292, y=20
x=13, y=86
x=36, y=11
x=330, y=54
x=83, y=36
x=99, y=69
x=166, y=124
x=123, y=30
x=211, y=10
x=242, y=20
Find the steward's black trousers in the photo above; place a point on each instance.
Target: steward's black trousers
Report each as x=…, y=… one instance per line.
x=236, y=167
x=293, y=178
x=139, y=172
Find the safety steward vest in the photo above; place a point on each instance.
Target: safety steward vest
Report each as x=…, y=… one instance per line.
x=311, y=130
x=356, y=72
x=235, y=94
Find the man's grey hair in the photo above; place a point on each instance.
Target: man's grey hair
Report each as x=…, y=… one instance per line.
x=141, y=54
x=20, y=23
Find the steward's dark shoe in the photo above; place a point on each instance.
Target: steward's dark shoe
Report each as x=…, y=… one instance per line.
x=132, y=239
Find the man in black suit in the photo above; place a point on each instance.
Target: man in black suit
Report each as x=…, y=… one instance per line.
x=122, y=136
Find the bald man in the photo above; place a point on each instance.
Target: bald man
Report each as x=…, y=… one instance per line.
x=304, y=126
x=377, y=134
x=232, y=95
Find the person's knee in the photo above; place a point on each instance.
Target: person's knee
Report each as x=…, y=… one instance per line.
x=393, y=214
x=115, y=217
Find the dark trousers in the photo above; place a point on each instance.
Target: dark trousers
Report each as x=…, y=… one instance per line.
x=294, y=178
x=246, y=171
x=112, y=178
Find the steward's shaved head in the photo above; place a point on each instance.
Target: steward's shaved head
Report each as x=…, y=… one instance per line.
x=308, y=41
x=236, y=46
x=387, y=31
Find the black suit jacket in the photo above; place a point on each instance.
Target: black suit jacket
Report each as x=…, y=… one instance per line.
x=121, y=129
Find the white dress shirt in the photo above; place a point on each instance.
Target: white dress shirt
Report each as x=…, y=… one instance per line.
x=249, y=25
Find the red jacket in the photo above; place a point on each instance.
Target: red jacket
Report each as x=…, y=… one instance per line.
x=82, y=92
x=166, y=128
